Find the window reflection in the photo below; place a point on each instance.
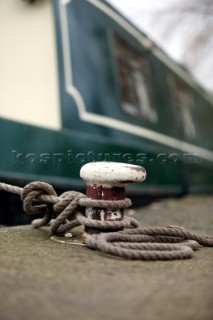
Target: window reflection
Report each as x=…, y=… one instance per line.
x=133, y=71
x=184, y=100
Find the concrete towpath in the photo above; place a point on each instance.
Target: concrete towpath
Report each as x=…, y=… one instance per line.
x=48, y=280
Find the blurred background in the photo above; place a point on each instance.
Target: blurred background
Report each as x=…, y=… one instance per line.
x=118, y=80
x=182, y=28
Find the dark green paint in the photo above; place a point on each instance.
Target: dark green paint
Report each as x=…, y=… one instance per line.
x=95, y=77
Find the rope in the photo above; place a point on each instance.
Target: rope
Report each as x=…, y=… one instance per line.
x=166, y=243
x=40, y=197
x=150, y=243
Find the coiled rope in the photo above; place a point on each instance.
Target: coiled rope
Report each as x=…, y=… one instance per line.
x=40, y=197
x=166, y=243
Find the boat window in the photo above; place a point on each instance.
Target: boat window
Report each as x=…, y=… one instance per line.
x=184, y=100
x=134, y=79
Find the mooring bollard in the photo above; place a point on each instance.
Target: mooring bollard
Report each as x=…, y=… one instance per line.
x=108, y=181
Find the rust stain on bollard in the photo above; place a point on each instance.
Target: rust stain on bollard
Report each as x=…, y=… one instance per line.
x=108, y=181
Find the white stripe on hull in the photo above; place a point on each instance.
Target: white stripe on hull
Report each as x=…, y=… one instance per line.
x=111, y=122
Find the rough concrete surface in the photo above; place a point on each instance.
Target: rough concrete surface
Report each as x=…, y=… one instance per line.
x=44, y=279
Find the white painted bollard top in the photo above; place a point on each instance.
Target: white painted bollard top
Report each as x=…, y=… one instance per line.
x=112, y=173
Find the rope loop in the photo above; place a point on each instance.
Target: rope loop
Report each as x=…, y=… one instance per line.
x=126, y=223
x=31, y=194
x=68, y=211
x=41, y=192
x=109, y=204
x=170, y=243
